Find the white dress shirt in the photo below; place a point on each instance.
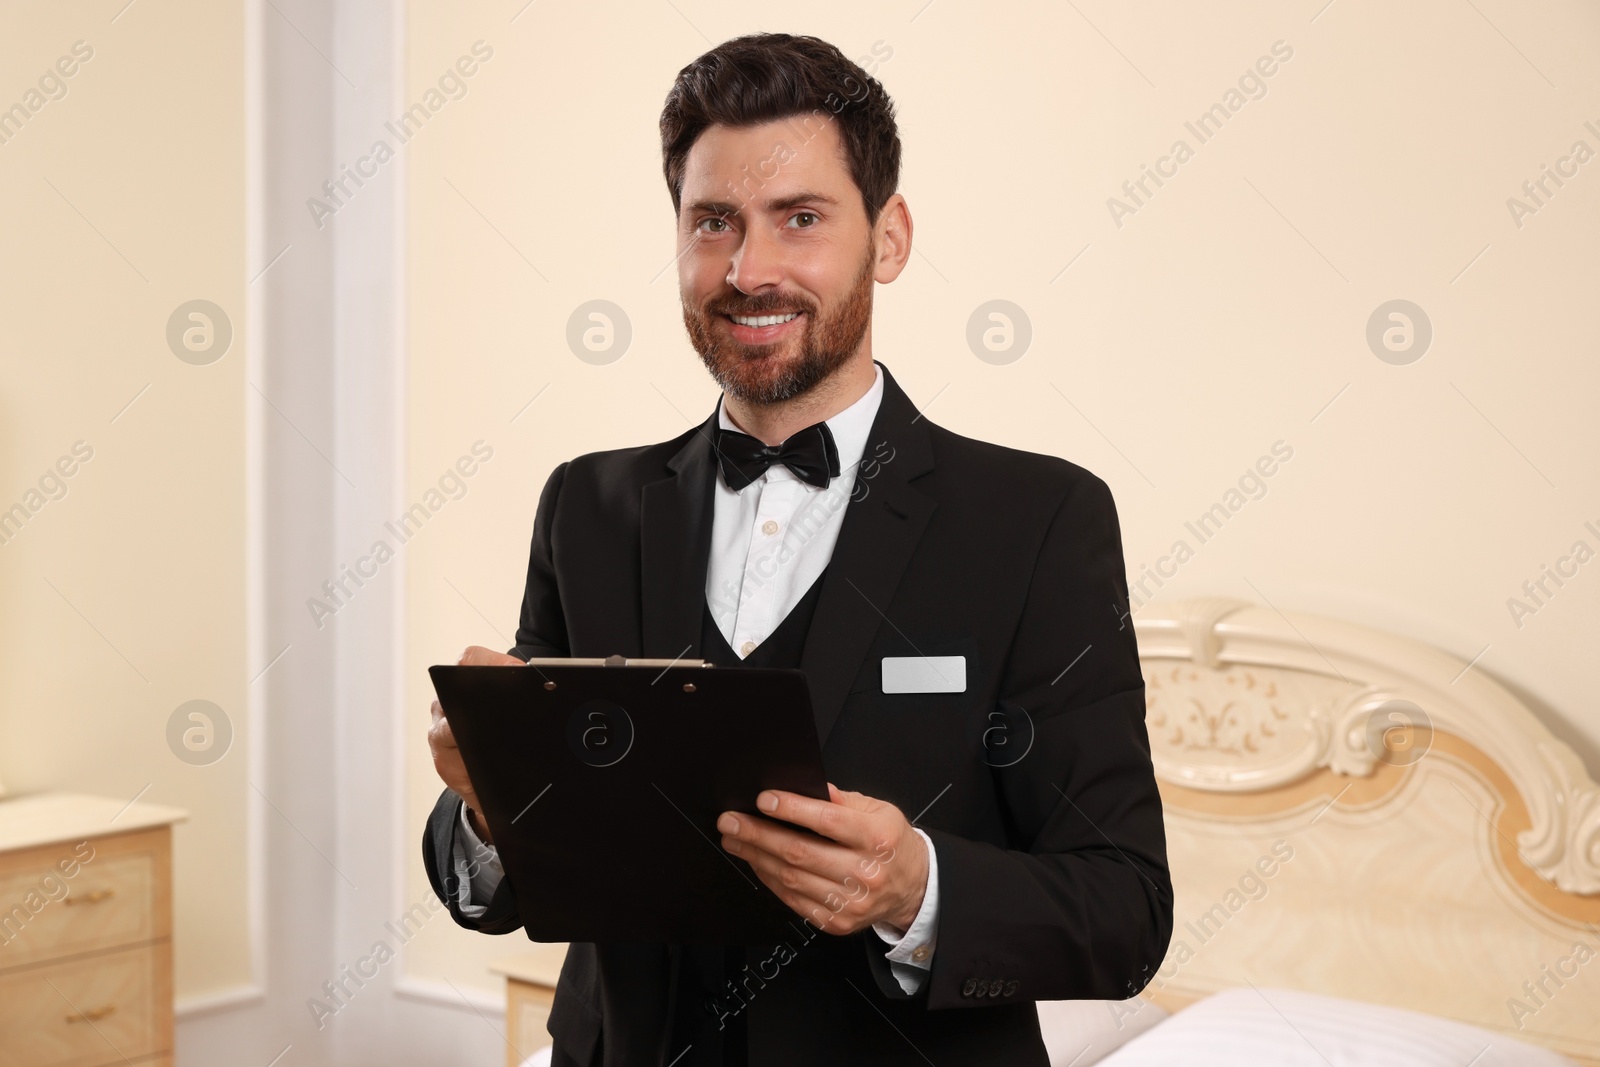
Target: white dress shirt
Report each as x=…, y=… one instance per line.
x=769, y=543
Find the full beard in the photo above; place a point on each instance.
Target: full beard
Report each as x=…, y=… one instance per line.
x=759, y=374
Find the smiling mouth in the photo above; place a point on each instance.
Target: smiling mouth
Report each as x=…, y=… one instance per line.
x=769, y=329
x=760, y=321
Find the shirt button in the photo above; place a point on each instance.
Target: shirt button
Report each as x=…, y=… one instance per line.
x=747, y=648
x=769, y=527
x=920, y=954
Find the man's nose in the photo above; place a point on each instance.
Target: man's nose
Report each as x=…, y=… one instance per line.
x=757, y=263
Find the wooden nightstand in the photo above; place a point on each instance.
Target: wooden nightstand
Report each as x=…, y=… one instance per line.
x=85, y=932
x=530, y=990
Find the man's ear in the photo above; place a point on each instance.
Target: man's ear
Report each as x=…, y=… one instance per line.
x=893, y=239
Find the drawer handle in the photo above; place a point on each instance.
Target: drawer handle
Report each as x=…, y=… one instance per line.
x=92, y=1014
x=94, y=896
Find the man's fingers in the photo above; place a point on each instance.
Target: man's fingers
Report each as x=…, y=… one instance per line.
x=478, y=656
x=831, y=914
x=447, y=762
x=441, y=734
x=825, y=903
x=789, y=881
x=752, y=835
x=838, y=822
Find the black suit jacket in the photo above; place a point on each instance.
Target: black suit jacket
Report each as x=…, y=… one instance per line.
x=1035, y=784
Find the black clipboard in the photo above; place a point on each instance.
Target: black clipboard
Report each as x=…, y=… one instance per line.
x=602, y=781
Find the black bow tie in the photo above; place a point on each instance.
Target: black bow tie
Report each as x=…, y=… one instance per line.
x=810, y=453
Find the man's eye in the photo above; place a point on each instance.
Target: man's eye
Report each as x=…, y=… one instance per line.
x=718, y=220
x=804, y=215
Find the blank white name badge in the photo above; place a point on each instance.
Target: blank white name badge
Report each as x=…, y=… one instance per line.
x=924, y=674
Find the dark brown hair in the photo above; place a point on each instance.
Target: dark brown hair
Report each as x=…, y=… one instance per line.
x=764, y=77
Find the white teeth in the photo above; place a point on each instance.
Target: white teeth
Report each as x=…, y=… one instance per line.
x=762, y=320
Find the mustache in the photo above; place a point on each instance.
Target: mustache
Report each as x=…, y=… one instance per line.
x=762, y=307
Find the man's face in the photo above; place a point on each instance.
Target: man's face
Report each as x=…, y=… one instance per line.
x=773, y=232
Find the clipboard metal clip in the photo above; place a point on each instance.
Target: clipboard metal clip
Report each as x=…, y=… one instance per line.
x=616, y=661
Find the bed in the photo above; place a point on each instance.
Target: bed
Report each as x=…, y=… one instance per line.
x=1379, y=855
x=1370, y=840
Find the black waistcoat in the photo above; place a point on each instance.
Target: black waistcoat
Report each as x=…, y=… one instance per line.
x=715, y=967
x=781, y=648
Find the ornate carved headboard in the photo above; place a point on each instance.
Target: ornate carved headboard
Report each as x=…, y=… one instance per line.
x=1353, y=813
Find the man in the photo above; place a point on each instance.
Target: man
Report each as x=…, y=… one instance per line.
x=958, y=608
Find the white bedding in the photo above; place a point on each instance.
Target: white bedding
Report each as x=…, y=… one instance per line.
x=1082, y=1032
x=1076, y=1032
x=1253, y=1028
x=1249, y=1027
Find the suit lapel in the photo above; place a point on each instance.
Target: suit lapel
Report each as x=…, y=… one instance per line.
x=879, y=533
x=675, y=548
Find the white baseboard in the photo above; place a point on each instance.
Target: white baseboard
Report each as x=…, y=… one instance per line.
x=205, y=1003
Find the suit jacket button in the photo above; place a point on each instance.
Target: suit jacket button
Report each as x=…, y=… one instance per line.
x=970, y=985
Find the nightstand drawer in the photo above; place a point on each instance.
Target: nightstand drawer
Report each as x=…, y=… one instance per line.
x=109, y=900
x=98, y=1010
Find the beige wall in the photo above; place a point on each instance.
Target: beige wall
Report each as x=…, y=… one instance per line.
x=124, y=597
x=1227, y=313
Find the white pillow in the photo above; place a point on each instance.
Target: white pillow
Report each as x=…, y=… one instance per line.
x=1247, y=1028
x=1077, y=1032
x=1081, y=1032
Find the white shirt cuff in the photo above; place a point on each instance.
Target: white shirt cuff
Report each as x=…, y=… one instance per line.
x=910, y=954
x=477, y=878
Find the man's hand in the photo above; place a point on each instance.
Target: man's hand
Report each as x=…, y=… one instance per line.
x=442, y=742
x=872, y=868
